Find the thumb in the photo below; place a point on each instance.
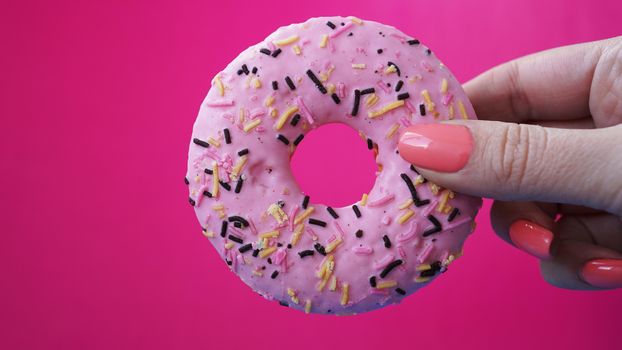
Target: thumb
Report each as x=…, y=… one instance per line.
x=510, y=161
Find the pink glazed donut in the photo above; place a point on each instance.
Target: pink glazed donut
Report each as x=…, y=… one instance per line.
x=305, y=255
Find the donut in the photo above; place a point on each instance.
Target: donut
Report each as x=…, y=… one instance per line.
x=311, y=257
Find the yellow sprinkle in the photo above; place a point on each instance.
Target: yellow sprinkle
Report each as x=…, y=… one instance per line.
x=451, y=111
x=197, y=179
x=269, y=234
x=229, y=245
x=386, y=284
x=278, y=213
x=359, y=65
x=428, y=100
x=462, y=110
x=219, y=84
x=218, y=207
x=215, y=179
x=345, y=295
x=241, y=114
x=331, y=88
x=447, y=209
x=284, y=42
x=444, y=86
x=423, y=267
x=333, y=283
x=252, y=125
x=363, y=200
x=371, y=100
x=405, y=217
x=419, y=180
x=321, y=285
x=308, y=306
x=268, y=101
x=305, y=214
x=392, y=130
x=443, y=201
x=208, y=234
x=212, y=141
x=390, y=69
x=406, y=204
x=334, y=244
x=297, y=233
x=296, y=50
x=283, y=118
x=434, y=188
x=389, y=107
x=239, y=165
x=324, y=41
x=273, y=112
x=292, y=294
x=421, y=279
x=257, y=273
x=326, y=268
x=266, y=252
x=355, y=20
x=256, y=83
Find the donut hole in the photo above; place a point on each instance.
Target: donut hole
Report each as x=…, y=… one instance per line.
x=333, y=166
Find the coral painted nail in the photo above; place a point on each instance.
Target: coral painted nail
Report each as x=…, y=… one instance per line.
x=439, y=147
x=604, y=273
x=531, y=238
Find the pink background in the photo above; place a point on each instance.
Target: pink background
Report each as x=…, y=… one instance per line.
x=99, y=248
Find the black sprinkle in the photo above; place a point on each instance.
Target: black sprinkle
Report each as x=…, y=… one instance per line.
x=403, y=96
x=186, y=180
x=412, y=167
x=331, y=25
x=298, y=139
x=320, y=248
x=306, y=253
x=370, y=144
x=207, y=194
x=209, y=171
x=399, y=73
x=255, y=252
x=229, y=262
x=223, y=228
x=400, y=291
x=393, y=264
x=379, y=51
x=281, y=204
x=225, y=185
x=236, y=239
x=237, y=224
x=387, y=241
x=245, y=69
x=368, y=91
x=359, y=233
x=275, y=85
x=245, y=248
x=269, y=260
x=305, y=202
x=192, y=202
x=433, y=230
x=372, y=281
x=428, y=273
x=316, y=81
x=289, y=246
x=434, y=220
x=274, y=274
x=200, y=142
x=276, y=52
x=413, y=42
x=453, y=214
x=290, y=83
x=332, y=212
x=295, y=120
x=428, y=52
x=422, y=109
x=254, y=71
x=335, y=98
x=357, y=212
x=240, y=72
x=398, y=86
x=227, y=136
x=265, y=51
x=317, y=222
x=239, y=219
x=357, y=102
x=243, y=152
x=283, y=303
x=283, y=139
x=238, y=185
x=411, y=187
x=422, y=202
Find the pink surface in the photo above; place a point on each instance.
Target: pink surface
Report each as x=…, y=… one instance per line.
x=99, y=247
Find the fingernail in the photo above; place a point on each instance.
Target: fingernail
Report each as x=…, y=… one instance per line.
x=439, y=147
x=603, y=273
x=531, y=238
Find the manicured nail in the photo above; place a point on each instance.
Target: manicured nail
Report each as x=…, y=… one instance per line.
x=531, y=238
x=603, y=273
x=439, y=147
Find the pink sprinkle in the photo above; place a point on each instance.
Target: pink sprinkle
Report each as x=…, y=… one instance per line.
x=254, y=98
x=381, y=201
x=237, y=232
x=200, y=195
x=341, y=90
x=425, y=254
x=410, y=107
x=327, y=65
x=378, y=291
x=256, y=113
x=240, y=259
x=252, y=226
x=221, y=103
x=383, y=86
x=427, y=66
x=304, y=110
x=429, y=208
x=384, y=261
x=212, y=155
x=271, y=46
x=279, y=255
x=362, y=250
x=446, y=99
x=285, y=265
x=340, y=30
x=331, y=238
x=400, y=249
x=338, y=227
x=292, y=214
x=405, y=121
x=310, y=231
x=306, y=41
x=260, y=129
x=401, y=38
x=234, y=262
x=386, y=220
x=457, y=223
x=407, y=236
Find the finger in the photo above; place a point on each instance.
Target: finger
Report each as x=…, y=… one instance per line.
x=553, y=84
x=509, y=161
x=588, y=253
x=582, y=123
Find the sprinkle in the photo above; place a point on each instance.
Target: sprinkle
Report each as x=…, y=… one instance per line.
x=296, y=50
x=268, y=101
x=413, y=42
x=334, y=244
x=406, y=204
x=363, y=200
x=386, y=284
x=254, y=71
x=215, y=180
x=238, y=185
x=186, y=180
x=453, y=214
x=228, y=246
x=305, y=202
x=295, y=120
x=370, y=144
x=274, y=274
x=297, y=233
x=372, y=281
x=282, y=139
x=256, y=83
x=437, y=226
x=316, y=81
x=284, y=42
x=212, y=141
x=303, y=215
x=428, y=100
x=407, y=236
x=245, y=248
x=335, y=98
x=411, y=187
x=359, y=233
x=200, y=142
x=324, y=41
x=462, y=110
x=308, y=306
x=444, y=86
x=221, y=103
x=392, y=130
x=357, y=212
x=344, y=293
x=278, y=213
x=442, y=201
x=317, y=222
x=251, y=125
x=396, y=68
x=236, y=239
x=239, y=165
x=389, y=107
x=333, y=283
x=223, y=228
x=245, y=69
x=398, y=86
x=227, y=136
x=371, y=100
x=192, y=202
x=390, y=69
x=298, y=139
x=421, y=279
x=381, y=201
x=368, y=91
x=266, y=252
x=389, y=267
x=355, y=20
x=359, y=65
x=269, y=234
x=239, y=219
x=357, y=101
x=422, y=109
x=320, y=248
x=290, y=83
x=221, y=87
x=403, y=96
x=387, y=241
x=423, y=267
x=332, y=212
x=265, y=51
x=331, y=25
x=306, y=253
x=405, y=217
x=276, y=52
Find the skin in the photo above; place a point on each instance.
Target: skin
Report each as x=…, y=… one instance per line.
x=549, y=145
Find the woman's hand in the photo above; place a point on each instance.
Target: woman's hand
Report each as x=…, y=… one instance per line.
x=548, y=149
